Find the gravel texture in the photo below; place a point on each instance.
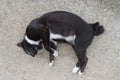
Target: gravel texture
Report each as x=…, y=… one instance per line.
x=103, y=54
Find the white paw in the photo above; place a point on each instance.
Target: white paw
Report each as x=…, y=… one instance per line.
x=51, y=63
x=80, y=73
x=55, y=53
x=75, y=69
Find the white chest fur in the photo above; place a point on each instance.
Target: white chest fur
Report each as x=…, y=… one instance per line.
x=70, y=38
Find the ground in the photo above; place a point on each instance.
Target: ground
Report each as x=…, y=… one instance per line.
x=103, y=54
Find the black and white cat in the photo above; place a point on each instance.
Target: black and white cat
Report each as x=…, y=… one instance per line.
x=60, y=26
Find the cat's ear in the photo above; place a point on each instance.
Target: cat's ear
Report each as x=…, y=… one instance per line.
x=19, y=44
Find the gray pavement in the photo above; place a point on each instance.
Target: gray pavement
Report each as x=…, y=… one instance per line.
x=103, y=54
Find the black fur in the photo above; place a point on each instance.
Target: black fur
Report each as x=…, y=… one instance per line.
x=65, y=24
x=98, y=29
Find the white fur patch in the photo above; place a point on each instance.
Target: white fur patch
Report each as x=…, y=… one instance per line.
x=51, y=63
x=75, y=69
x=55, y=53
x=70, y=38
x=80, y=73
x=31, y=41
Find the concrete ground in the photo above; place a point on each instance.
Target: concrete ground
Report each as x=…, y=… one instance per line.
x=103, y=54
